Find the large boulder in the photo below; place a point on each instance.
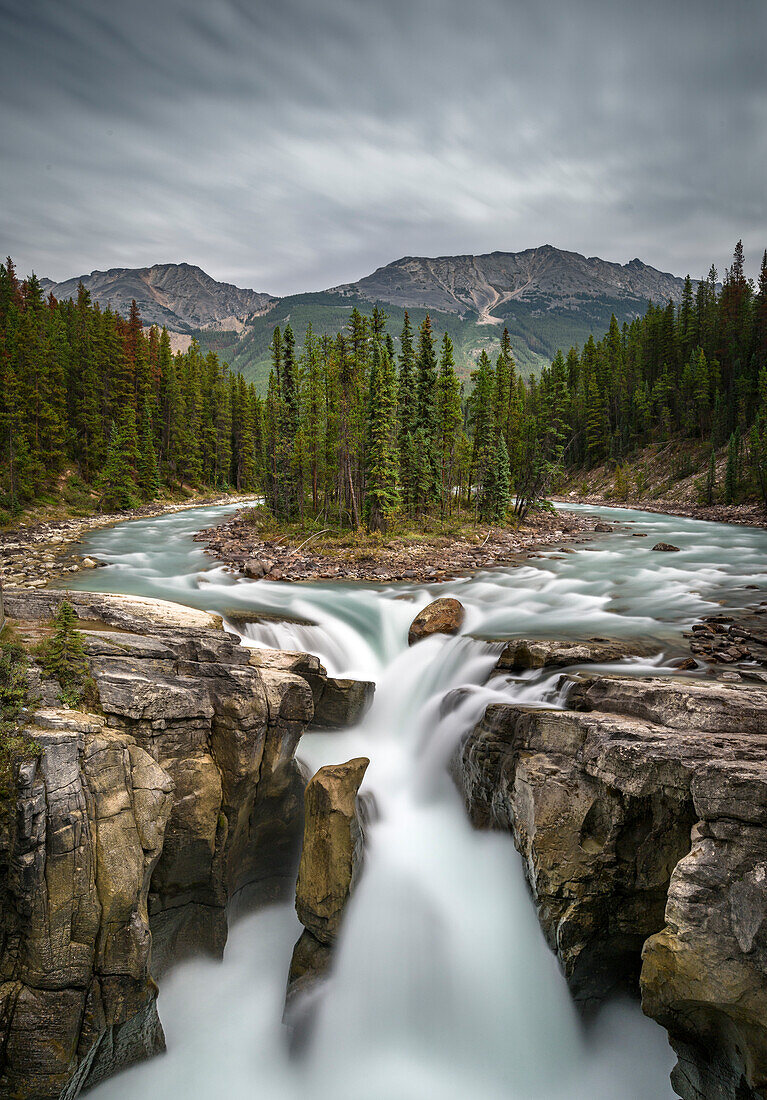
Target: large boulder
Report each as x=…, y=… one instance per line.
x=443, y=616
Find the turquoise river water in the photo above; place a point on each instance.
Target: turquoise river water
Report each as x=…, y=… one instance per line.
x=443, y=988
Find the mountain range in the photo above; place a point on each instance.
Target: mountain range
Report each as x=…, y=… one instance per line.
x=548, y=298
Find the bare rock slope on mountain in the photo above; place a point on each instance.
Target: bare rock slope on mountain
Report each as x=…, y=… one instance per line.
x=180, y=296
x=547, y=277
x=546, y=297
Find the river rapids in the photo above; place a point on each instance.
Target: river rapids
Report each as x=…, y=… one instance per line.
x=443, y=987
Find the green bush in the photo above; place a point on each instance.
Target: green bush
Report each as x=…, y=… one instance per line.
x=62, y=656
x=15, y=745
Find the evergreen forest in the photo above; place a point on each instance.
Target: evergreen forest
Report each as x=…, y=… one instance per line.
x=351, y=431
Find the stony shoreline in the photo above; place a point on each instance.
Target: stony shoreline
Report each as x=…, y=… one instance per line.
x=33, y=555
x=237, y=545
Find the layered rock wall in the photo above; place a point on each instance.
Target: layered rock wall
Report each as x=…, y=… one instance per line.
x=133, y=831
x=641, y=816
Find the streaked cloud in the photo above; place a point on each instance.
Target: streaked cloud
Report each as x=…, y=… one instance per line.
x=300, y=144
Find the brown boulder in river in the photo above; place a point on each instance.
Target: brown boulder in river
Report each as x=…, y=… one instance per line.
x=666, y=547
x=443, y=616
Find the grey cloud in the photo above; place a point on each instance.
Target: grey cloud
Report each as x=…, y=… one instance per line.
x=295, y=145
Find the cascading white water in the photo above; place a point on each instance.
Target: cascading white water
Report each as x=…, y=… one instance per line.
x=442, y=985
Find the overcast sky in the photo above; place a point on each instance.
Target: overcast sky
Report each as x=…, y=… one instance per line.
x=297, y=144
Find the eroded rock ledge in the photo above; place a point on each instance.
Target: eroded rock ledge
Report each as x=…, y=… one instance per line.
x=134, y=830
x=641, y=816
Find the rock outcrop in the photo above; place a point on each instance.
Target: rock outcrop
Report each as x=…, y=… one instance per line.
x=338, y=703
x=443, y=616
x=331, y=862
x=332, y=850
x=133, y=831
x=130, y=612
x=523, y=654
x=641, y=816
x=77, y=859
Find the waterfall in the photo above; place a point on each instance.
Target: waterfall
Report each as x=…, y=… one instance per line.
x=442, y=985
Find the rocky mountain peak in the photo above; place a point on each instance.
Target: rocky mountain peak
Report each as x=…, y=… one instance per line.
x=181, y=296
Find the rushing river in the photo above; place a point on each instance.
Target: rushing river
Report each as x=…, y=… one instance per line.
x=443, y=988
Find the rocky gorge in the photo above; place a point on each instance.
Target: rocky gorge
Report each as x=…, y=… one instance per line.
x=640, y=814
x=622, y=753
x=137, y=827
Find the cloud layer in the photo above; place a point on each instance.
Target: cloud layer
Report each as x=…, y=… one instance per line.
x=296, y=145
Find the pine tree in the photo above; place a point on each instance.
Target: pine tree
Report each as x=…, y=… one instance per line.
x=147, y=474
x=381, y=464
x=732, y=472
x=449, y=421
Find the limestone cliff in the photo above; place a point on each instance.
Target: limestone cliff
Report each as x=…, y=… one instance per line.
x=641, y=816
x=133, y=831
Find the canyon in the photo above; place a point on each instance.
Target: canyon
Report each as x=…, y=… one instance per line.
x=577, y=724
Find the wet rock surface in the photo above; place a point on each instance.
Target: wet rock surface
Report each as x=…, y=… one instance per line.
x=132, y=832
x=338, y=703
x=523, y=654
x=331, y=863
x=640, y=813
x=331, y=856
x=733, y=639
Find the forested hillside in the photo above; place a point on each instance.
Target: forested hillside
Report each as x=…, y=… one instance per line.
x=696, y=371
x=356, y=428
x=546, y=297
x=87, y=390
x=536, y=332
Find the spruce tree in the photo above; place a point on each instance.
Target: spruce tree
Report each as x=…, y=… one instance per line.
x=147, y=474
x=732, y=472
x=711, y=478
x=407, y=415
x=482, y=423
x=449, y=421
x=381, y=457
x=117, y=483
x=63, y=657
x=496, y=491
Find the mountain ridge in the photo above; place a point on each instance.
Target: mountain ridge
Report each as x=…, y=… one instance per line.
x=547, y=297
x=181, y=296
x=545, y=275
